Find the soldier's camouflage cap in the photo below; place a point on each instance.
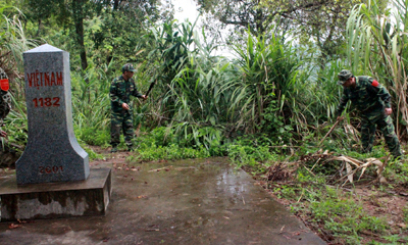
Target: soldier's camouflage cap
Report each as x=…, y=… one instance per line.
x=128, y=67
x=343, y=76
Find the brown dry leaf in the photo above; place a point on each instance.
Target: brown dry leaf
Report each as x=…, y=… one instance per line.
x=13, y=226
x=364, y=167
x=349, y=172
x=383, y=180
x=140, y=197
x=150, y=230
x=360, y=166
x=184, y=168
x=159, y=169
x=402, y=225
x=283, y=227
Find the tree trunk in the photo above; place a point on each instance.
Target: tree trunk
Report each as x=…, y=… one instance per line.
x=39, y=27
x=116, y=5
x=77, y=6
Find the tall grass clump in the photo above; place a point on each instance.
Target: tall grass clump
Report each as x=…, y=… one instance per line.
x=13, y=43
x=376, y=45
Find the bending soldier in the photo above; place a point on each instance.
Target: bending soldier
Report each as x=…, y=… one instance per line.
x=374, y=102
x=121, y=89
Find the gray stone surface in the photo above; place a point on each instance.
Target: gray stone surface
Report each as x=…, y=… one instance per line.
x=56, y=200
x=52, y=153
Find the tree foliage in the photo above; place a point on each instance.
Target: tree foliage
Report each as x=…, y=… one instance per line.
x=107, y=28
x=318, y=23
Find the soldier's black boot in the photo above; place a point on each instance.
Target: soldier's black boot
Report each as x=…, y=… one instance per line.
x=398, y=156
x=130, y=147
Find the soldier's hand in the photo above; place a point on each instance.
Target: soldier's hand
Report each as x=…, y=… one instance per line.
x=340, y=118
x=3, y=134
x=388, y=111
x=125, y=106
x=144, y=97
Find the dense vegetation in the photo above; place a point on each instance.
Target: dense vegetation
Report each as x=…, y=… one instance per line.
x=271, y=103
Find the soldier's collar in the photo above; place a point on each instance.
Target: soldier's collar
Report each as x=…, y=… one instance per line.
x=124, y=78
x=357, y=83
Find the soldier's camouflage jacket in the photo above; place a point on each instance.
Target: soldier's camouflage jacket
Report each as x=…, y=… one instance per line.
x=5, y=105
x=5, y=99
x=120, y=92
x=366, y=96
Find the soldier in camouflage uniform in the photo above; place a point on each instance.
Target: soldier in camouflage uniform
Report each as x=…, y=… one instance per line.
x=374, y=102
x=5, y=101
x=121, y=89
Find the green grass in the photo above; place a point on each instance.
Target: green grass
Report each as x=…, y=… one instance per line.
x=337, y=212
x=170, y=152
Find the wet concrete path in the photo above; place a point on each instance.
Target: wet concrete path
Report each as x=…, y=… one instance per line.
x=183, y=202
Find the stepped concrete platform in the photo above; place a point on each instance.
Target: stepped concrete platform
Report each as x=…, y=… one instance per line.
x=55, y=200
x=183, y=202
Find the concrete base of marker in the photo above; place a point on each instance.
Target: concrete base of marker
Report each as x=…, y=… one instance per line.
x=56, y=200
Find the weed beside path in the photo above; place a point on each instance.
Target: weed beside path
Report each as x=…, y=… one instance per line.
x=362, y=212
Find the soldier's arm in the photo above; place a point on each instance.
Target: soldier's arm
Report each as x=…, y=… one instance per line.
x=379, y=90
x=2, y=133
x=343, y=102
x=136, y=92
x=113, y=93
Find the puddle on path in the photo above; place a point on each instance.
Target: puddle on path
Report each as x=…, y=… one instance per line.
x=185, y=202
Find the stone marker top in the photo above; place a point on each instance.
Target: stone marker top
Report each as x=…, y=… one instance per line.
x=44, y=48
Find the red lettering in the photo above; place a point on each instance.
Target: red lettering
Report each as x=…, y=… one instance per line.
x=46, y=102
x=50, y=169
x=47, y=79
x=36, y=79
x=56, y=101
x=59, y=78
x=30, y=79
x=41, y=80
x=52, y=78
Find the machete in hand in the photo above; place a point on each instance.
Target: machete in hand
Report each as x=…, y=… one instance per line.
x=150, y=88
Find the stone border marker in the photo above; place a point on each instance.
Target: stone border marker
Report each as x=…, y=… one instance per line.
x=52, y=153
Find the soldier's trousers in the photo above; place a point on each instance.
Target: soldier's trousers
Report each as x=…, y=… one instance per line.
x=122, y=121
x=368, y=127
